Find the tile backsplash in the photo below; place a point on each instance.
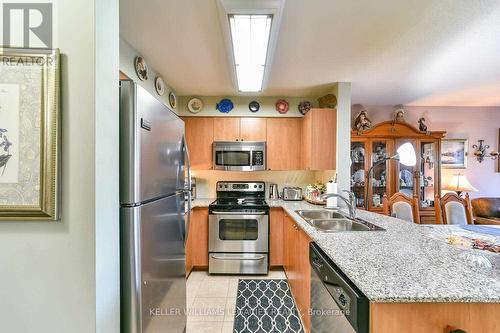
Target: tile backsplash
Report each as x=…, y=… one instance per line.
x=206, y=179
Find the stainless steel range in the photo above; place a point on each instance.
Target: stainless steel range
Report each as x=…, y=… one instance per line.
x=238, y=230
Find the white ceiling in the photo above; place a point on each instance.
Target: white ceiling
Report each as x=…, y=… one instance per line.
x=421, y=52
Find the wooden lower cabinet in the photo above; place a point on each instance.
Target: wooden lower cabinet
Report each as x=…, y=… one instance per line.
x=197, y=243
x=297, y=268
x=434, y=317
x=276, y=237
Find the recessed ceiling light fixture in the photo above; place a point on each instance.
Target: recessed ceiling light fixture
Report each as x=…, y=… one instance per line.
x=250, y=37
x=250, y=28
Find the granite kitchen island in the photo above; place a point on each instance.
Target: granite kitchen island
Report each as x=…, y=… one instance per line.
x=411, y=276
x=415, y=281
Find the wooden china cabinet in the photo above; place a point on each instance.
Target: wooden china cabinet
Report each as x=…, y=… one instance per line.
x=382, y=140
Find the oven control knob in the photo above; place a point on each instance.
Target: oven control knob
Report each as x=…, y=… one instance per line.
x=255, y=186
x=260, y=186
x=342, y=300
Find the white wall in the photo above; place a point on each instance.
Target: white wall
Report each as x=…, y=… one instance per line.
x=343, y=93
x=127, y=60
x=473, y=123
x=106, y=180
x=48, y=269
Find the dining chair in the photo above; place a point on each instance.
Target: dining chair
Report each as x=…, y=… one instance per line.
x=402, y=207
x=454, y=209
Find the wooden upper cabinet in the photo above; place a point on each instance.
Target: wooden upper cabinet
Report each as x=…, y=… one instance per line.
x=253, y=129
x=319, y=139
x=199, y=138
x=283, y=143
x=226, y=129
x=240, y=129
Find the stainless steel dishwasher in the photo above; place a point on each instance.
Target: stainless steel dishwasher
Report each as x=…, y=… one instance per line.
x=337, y=305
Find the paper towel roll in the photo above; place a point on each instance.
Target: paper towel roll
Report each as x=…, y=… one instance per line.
x=331, y=187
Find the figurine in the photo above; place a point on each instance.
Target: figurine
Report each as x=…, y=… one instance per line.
x=421, y=125
x=399, y=114
x=362, y=123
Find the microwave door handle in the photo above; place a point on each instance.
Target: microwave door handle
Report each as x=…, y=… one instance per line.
x=251, y=159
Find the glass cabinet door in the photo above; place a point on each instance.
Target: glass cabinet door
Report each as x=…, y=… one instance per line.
x=358, y=171
x=406, y=174
x=428, y=174
x=379, y=174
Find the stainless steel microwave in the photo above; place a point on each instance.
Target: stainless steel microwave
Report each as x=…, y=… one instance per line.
x=239, y=155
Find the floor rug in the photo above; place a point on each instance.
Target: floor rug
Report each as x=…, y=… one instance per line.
x=265, y=306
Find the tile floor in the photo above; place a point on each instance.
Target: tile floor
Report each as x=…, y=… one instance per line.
x=211, y=300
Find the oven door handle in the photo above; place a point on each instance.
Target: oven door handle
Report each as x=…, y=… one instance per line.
x=238, y=213
x=238, y=257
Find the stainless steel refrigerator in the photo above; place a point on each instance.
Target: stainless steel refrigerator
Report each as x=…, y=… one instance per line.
x=154, y=226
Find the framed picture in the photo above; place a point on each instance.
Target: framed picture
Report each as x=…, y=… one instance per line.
x=29, y=135
x=498, y=149
x=454, y=153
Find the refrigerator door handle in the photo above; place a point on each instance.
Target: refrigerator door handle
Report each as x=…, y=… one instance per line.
x=188, y=190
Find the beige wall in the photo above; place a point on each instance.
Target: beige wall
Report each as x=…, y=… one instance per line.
x=267, y=106
x=48, y=269
x=206, y=179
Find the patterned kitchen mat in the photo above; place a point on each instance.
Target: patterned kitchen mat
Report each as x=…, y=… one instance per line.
x=265, y=306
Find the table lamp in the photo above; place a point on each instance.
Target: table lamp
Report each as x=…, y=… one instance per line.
x=459, y=183
x=405, y=155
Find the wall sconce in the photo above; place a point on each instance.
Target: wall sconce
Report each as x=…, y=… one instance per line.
x=480, y=151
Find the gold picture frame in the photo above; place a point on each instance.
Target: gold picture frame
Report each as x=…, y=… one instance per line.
x=30, y=153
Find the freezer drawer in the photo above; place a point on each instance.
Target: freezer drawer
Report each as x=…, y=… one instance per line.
x=238, y=263
x=153, y=284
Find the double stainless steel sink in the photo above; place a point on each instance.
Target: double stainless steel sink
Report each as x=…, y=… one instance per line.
x=334, y=221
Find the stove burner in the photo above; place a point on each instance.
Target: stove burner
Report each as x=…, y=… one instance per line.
x=238, y=200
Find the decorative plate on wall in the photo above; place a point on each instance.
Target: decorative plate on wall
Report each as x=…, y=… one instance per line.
x=141, y=68
x=195, y=105
x=225, y=105
x=329, y=101
x=254, y=106
x=282, y=106
x=172, y=99
x=304, y=107
x=159, y=85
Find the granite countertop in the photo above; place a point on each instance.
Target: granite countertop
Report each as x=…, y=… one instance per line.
x=406, y=263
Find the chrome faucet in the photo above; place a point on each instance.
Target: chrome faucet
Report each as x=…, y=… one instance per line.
x=350, y=202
